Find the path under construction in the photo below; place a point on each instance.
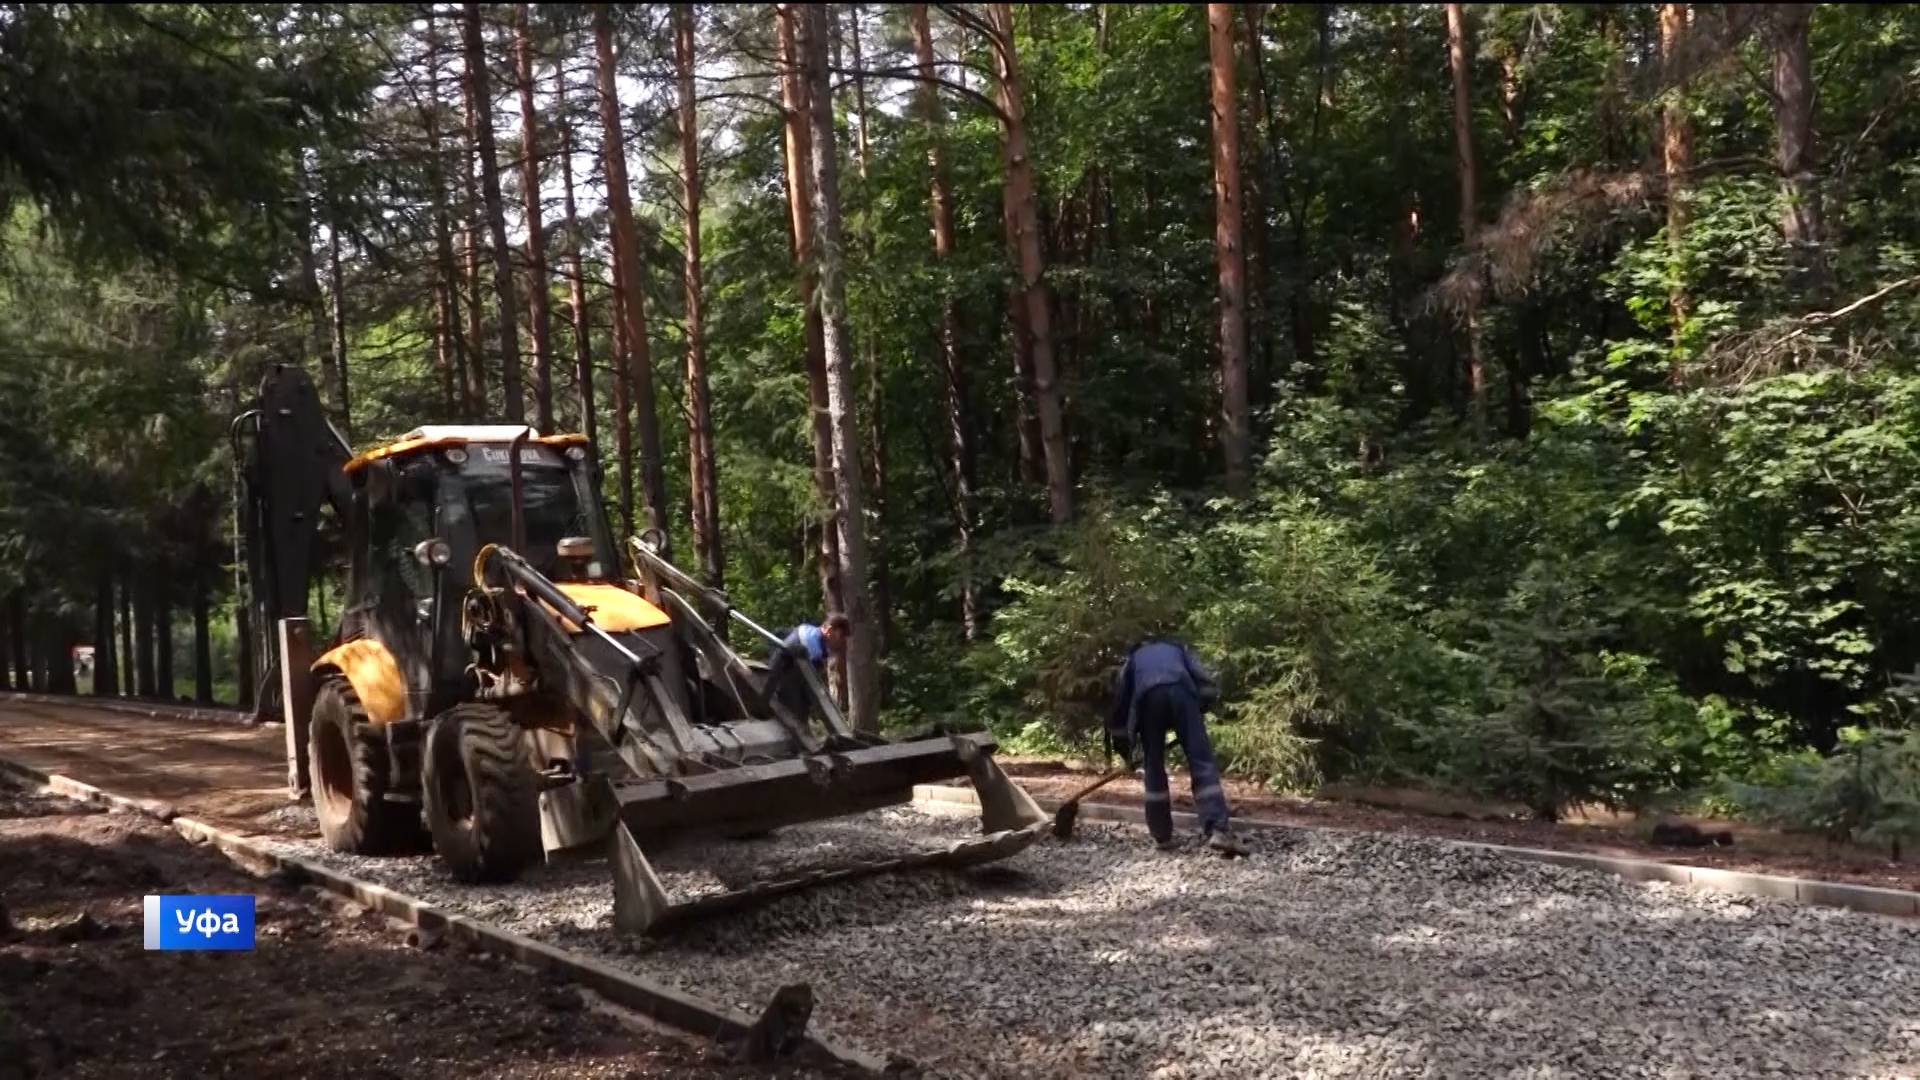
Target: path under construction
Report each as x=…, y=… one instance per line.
x=1331, y=954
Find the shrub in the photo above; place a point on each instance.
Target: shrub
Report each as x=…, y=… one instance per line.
x=1866, y=791
x=1305, y=628
x=1548, y=728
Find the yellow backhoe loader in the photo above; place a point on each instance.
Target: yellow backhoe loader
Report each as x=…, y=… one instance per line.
x=500, y=676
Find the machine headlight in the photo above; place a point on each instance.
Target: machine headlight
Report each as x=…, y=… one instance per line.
x=435, y=553
x=457, y=456
x=576, y=453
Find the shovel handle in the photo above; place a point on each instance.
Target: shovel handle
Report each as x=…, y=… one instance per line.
x=1124, y=770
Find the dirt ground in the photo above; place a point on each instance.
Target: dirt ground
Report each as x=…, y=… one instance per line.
x=330, y=990
x=235, y=776
x=1754, y=850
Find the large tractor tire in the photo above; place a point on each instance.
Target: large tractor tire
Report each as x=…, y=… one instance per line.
x=482, y=795
x=348, y=766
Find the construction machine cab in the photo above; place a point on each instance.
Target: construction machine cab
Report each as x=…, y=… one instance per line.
x=425, y=505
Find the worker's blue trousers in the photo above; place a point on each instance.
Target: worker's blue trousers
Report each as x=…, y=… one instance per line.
x=1174, y=710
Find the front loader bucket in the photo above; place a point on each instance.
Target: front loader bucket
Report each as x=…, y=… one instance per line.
x=761, y=797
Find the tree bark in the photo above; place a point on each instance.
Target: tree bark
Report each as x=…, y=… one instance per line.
x=1024, y=228
x=476, y=375
x=314, y=299
x=106, y=673
x=36, y=656
x=622, y=407
x=798, y=143
x=537, y=296
x=1676, y=144
x=243, y=649
x=704, y=483
x=1236, y=433
x=143, y=614
x=863, y=682
x=628, y=282
x=1458, y=55
x=576, y=276
x=1259, y=246
x=876, y=383
x=202, y=641
x=450, y=354
x=952, y=368
x=337, y=281
x=163, y=645
x=17, y=627
x=509, y=328
x=58, y=658
x=128, y=654
x=1793, y=90
x=6, y=650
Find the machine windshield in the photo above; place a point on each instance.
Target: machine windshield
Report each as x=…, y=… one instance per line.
x=550, y=507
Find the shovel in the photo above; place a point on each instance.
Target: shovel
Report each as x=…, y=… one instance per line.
x=1063, y=818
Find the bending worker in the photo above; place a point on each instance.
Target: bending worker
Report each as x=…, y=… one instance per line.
x=809, y=644
x=1162, y=690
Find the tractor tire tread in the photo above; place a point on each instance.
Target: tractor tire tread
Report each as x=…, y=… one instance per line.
x=503, y=836
x=371, y=825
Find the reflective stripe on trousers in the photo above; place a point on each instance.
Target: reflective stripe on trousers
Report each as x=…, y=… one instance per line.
x=1174, y=710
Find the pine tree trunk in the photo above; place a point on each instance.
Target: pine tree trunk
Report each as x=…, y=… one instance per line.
x=508, y=329
x=863, y=675
x=59, y=642
x=476, y=375
x=576, y=276
x=1676, y=143
x=1458, y=55
x=313, y=298
x=876, y=382
x=129, y=682
x=105, y=670
x=36, y=657
x=144, y=632
x=622, y=408
x=1259, y=243
x=704, y=483
x=536, y=240
x=1801, y=218
x=1236, y=431
x=337, y=292
x=952, y=368
x=798, y=143
x=17, y=626
x=243, y=648
x=1025, y=226
x=449, y=350
x=163, y=645
x=202, y=641
x=629, y=282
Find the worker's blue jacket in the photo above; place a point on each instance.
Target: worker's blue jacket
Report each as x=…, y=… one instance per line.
x=1154, y=663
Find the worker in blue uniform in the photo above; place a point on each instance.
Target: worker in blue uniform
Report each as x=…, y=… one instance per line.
x=805, y=643
x=1163, y=689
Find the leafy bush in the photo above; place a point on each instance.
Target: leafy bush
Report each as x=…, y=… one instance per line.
x=1867, y=791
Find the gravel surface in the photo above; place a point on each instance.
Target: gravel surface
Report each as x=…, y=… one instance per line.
x=1322, y=955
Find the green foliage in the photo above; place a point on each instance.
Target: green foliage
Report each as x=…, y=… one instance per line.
x=1300, y=621
x=1681, y=553
x=1547, y=725
x=1867, y=791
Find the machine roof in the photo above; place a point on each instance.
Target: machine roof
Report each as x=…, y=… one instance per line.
x=439, y=436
